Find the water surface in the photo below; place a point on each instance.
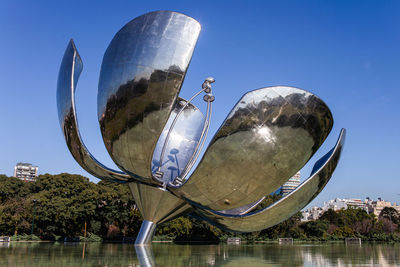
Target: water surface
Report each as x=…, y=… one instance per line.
x=97, y=254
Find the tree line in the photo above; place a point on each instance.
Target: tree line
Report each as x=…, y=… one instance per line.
x=64, y=205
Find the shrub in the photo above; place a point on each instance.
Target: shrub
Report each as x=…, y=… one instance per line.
x=90, y=238
x=25, y=237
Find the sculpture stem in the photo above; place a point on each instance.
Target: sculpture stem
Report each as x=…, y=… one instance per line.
x=146, y=233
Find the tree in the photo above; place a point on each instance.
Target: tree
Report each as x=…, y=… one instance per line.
x=316, y=228
x=14, y=207
x=11, y=188
x=390, y=213
x=287, y=228
x=64, y=203
x=116, y=210
x=331, y=216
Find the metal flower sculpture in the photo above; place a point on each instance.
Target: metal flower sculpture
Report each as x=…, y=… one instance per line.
x=154, y=136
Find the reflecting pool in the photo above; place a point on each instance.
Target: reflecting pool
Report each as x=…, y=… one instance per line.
x=166, y=254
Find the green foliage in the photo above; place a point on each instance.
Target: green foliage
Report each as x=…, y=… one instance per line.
x=64, y=202
x=25, y=237
x=117, y=211
x=199, y=232
x=91, y=238
x=390, y=214
x=14, y=207
x=268, y=201
x=331, y=216
x=316, y=228
x=178, y=227
x=61, y=205
x=288, y=228
x=352, y=222
x=12, y=188
x=343, y=231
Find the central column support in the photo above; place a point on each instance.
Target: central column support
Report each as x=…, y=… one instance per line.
x=156, y=206
x=146, y=233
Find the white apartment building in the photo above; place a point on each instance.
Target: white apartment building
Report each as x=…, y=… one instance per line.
x=291, y=184
x=311, y=214
x=370, y=206
x=26, y=172
x=343, y=203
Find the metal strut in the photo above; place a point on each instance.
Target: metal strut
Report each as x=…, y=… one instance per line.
x=209, y=98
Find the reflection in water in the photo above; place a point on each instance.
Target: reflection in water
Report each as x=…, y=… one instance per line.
x=97, y=254
x=145, y=256
x=4, y=244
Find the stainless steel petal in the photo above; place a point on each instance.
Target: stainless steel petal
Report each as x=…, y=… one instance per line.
x=244, y=209
x=288, y=205
x=182, y=142
x=70, y=70
x=268, y=136
x=141, y=76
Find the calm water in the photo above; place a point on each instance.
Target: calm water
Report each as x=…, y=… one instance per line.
x=94, y=254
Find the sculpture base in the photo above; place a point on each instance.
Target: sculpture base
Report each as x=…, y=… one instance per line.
x=146, y=232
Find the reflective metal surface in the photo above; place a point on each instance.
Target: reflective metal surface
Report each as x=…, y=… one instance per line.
x=244, y=209
x=288, y=205
x=141, y=76
x=155, y=136
x=146, y=233
x=181, y=176
x=183, y=139
x=269, y=135
x=70, y=70
x=156, y=204
x=145, y=256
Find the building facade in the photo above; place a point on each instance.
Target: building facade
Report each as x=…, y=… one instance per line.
x=370, y=206
x=26, y=172
x=377, y=206
x=311, y=214
x=291, y=184
x=343, y=203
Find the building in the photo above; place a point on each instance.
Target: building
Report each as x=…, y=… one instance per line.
x=26, y=172
x=370, y=206
x=311, y=214
x=343, y=203
x=334, y=204
x=357, y=203
x=291, y=184
x=376, y=207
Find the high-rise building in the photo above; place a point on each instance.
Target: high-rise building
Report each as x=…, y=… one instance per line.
x=26, y=172
x=291, y=184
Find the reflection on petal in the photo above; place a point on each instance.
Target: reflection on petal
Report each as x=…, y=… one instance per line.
x=286, y=206
x=70, y=70
x=182, y=141
x=141, y=76
x=269, y=135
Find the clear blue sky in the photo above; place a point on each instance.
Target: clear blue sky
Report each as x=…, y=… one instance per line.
x=346, y=52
